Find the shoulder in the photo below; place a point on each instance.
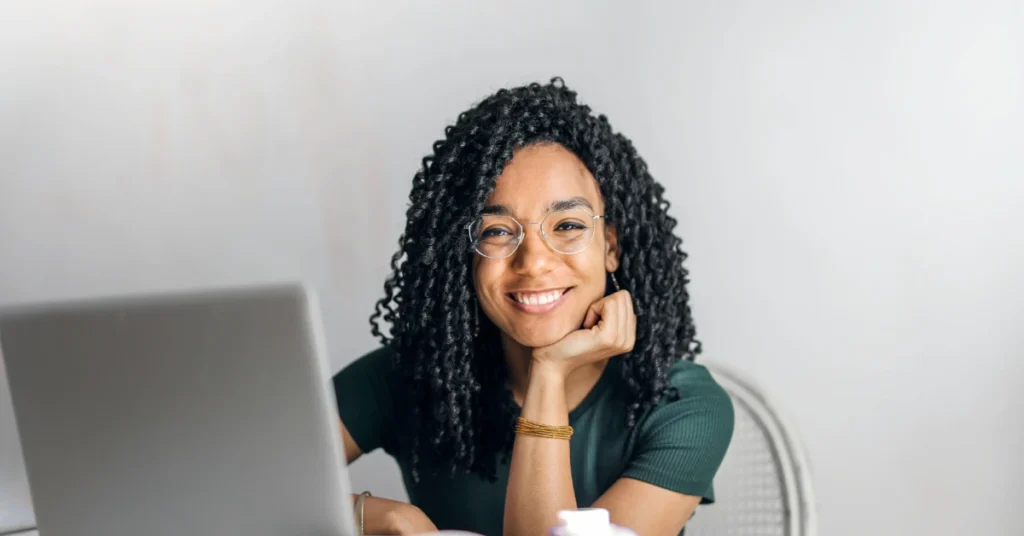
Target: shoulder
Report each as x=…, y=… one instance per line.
x=372, y=376
x=694, y=382
x=382, y=356
x=699, y=413
x=682, y=440
x=378, y=362
x=366, y=392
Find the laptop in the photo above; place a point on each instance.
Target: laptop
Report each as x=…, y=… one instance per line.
x=198, y=413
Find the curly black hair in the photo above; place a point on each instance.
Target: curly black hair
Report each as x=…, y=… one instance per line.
x=448, y=355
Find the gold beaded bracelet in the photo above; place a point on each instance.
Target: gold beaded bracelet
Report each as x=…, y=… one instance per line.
x=536, y=429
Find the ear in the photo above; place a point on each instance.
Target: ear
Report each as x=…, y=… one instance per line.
x=611, y=248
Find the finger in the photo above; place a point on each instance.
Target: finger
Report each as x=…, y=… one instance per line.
x=629, y=303
x=631, y=316
x=620, y=321
x=627, y=327
x=593, y=314
x=609, y=324
x=631, y=331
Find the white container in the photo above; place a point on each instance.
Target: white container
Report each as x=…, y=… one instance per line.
x=588, y=522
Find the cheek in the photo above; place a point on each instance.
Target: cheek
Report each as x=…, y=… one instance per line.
x=486, y=278
x=590, y=270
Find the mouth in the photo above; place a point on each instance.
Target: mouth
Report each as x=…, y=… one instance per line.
x=536, y=302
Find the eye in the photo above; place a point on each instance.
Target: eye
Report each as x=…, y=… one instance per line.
x=570, y=226
x=495, y=232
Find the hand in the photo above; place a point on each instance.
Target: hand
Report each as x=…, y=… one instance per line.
x=409, y=519
x=383, y=516
x=609, y=329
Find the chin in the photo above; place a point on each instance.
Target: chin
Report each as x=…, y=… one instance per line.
x=544, y=336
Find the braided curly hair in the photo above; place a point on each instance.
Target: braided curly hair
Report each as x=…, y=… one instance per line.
x=448, y=358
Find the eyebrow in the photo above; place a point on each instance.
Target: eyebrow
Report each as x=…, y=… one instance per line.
x=554, y=206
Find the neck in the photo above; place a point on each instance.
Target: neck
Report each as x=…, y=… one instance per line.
x=519, y=360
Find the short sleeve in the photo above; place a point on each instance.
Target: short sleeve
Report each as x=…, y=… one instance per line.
x=681, y=443
x=365, y=393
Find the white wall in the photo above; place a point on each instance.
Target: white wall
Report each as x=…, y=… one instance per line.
x=848, y=179
x=175, y=145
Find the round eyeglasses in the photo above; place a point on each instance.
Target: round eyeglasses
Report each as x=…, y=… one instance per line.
x=565, y=231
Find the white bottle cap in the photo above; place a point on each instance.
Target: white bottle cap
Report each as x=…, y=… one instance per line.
x=586, y=522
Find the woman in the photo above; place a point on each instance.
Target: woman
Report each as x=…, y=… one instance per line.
x=538, y=287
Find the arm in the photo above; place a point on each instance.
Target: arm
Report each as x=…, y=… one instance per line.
x=365, y=396
x=383, y=516
x=642, y=507
x=540, y=480
x=679, y=448
x=682, y=445
x=646, y=508
x=540, y=475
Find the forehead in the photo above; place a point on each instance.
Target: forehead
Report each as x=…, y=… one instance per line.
x=538, y=175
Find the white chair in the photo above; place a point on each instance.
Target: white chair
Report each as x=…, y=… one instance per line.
x=763, y=487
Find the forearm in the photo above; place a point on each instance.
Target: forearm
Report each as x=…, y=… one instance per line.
x=540, y=477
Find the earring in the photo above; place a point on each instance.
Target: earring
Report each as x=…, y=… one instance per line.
x=615, y=281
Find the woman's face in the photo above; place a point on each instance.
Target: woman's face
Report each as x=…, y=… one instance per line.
x=537, y=296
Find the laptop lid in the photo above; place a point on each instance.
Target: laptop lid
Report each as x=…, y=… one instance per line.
x=187, y=413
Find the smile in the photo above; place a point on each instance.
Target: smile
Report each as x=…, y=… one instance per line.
x=538, y=302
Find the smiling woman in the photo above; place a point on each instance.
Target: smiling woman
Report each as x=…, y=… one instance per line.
x=540, y=351
x=539, y=285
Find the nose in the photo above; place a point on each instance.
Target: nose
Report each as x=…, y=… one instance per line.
x=533, y=257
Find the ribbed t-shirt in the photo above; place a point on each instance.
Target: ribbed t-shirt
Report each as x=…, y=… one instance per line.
x=677, y=445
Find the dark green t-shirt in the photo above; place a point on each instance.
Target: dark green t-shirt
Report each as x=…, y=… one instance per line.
x=678, y=445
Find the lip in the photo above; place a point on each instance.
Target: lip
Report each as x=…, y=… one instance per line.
x=538, y=309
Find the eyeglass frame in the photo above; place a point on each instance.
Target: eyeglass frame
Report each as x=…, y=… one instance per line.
x=543, y=235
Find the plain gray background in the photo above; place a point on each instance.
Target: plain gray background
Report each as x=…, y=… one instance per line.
x=848, y=178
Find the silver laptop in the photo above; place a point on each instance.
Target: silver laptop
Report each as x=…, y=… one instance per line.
x=201, y=414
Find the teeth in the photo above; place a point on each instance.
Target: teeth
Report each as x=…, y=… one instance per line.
x=538, y=299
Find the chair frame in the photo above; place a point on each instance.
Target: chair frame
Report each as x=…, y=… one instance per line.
x=787, y=450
